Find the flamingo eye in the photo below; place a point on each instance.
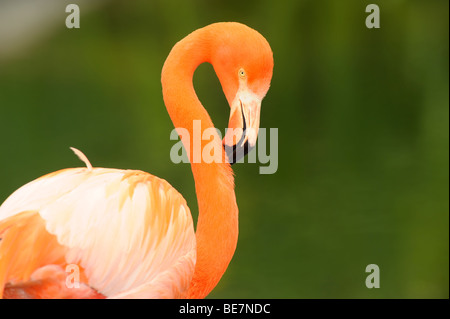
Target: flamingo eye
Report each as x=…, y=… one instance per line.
x=241, y=73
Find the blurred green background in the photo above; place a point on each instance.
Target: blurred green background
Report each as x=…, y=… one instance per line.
x=362, y=116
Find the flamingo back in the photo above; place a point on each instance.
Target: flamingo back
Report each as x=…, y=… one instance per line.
x=131, y=233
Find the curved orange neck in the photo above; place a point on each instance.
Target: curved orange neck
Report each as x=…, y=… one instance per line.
x=217, y=226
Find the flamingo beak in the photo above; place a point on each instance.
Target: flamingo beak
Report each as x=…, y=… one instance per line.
x=243, y=125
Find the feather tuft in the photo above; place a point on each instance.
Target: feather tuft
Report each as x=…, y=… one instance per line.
x=82, y=157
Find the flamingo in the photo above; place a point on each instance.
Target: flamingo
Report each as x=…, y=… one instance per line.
x=127, y=233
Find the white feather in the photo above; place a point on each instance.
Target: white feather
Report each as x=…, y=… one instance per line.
x=114, y=224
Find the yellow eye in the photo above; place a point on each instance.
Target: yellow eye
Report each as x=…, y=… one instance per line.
x=241, y=73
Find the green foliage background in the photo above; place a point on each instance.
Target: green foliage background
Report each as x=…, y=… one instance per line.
x=363, y=128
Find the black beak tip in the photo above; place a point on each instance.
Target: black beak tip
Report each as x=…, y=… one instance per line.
x=235, y=153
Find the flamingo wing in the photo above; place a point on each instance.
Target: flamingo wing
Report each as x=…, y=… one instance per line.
x=130, y=233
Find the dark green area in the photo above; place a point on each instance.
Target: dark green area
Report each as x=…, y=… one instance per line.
x=363, y=125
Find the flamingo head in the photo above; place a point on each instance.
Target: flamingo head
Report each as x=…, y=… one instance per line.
x=243, y=62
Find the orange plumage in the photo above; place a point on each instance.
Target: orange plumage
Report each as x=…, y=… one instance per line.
x=130, y=234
